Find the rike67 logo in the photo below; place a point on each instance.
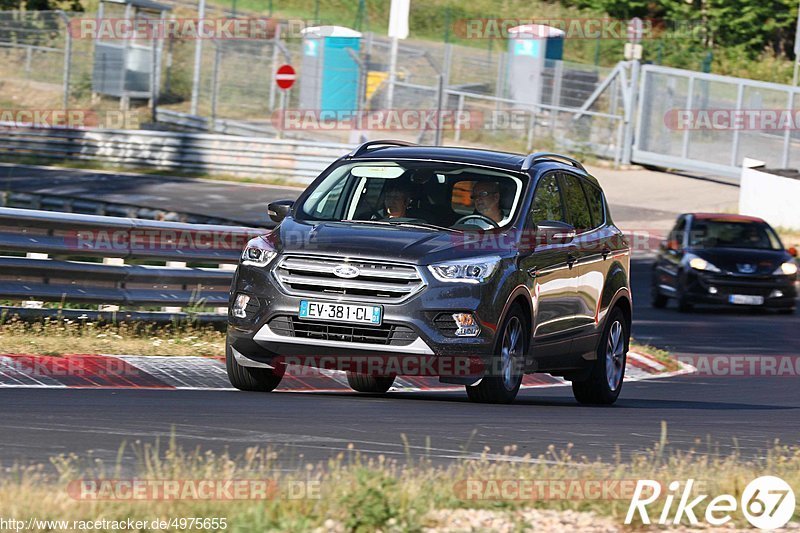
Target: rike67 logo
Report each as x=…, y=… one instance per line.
x=767, y=502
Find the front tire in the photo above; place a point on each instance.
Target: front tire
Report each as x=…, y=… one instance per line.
x=248, y=378
x=608, y=372
x=658, y=300
x=373, y=384
x=503, y=386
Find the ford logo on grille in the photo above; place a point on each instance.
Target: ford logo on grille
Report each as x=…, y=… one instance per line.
x=346, y=271
x=746, y=268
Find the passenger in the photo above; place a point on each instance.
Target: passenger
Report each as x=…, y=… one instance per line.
x=486, y=198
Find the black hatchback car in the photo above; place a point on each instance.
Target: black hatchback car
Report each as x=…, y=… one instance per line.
x=724, y=259
x=400, y=251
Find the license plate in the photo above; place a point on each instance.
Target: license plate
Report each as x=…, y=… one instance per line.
x=743, y=299
x=354, y=314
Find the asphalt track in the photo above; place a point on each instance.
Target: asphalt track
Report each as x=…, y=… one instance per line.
x=708, y=413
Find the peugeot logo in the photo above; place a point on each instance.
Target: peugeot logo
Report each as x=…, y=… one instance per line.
x=346, y=271
x=746, y=268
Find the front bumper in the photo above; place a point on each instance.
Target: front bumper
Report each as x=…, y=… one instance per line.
x=271, y=327
x=779, y=292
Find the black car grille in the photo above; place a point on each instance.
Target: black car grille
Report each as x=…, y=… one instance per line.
x=387, y=334
x=751, y=287
x=376, y=281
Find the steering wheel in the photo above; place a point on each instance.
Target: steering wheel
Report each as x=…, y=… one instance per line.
x=477, y=218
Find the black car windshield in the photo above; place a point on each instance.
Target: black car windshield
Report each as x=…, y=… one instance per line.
x=733, y=234
x=446, y=195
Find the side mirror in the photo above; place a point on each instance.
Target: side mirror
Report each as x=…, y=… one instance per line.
x=279, y=209
x=792, y=251
x=554, y=232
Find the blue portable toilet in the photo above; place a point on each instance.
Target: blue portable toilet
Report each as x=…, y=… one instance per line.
x=531, y=48
x=329, y=74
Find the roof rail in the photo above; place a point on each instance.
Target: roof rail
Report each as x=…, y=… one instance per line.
x=363, y=147
x=530, y=159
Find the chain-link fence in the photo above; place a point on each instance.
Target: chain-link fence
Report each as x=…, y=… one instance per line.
x=469, y=91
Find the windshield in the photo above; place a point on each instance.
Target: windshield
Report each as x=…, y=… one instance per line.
x=733, y=234
x=446, y=195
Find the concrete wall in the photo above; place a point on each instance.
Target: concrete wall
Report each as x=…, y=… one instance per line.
x=776, y=199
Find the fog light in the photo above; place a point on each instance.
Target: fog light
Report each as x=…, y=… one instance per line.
x=239, y=305
x=776, y=294
x=712, y=290
x=467, y=325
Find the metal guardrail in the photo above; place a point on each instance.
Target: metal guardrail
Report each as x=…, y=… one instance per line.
x=73, y=204
x=194, y=270
x=300, y=161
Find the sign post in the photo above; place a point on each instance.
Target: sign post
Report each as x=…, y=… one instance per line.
x=398, y=29
x=285, y=77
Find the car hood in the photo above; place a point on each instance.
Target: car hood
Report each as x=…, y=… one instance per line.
x=744, y=261
x=356, y=239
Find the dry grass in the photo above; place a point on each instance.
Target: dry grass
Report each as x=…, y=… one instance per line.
x=63, y=336
x=356, y=493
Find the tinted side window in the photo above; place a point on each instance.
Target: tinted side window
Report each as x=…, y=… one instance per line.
x=595, y=197
x=547, y=200
x=575, y=202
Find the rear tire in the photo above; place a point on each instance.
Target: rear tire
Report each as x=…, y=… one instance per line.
x=504, y=377
x=608, y=371
x=248, y=378
x=373, y=384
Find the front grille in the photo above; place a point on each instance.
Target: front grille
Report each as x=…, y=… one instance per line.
x=388, y=334
x=376, y=281
x=751, y=287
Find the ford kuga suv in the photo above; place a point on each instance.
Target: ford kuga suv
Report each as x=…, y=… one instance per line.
x=475, y=266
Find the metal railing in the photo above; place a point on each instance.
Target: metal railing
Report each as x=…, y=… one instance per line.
x=299, y=161
x=156, y=271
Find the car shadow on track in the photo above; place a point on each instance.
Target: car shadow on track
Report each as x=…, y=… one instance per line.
x=527, y=401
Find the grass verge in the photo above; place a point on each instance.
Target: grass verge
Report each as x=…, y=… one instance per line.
x=64, y=336
x=355, y=492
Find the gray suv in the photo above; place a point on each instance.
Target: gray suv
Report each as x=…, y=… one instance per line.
x=475, y=266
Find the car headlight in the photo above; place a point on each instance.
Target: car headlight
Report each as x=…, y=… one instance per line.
x=698, y=263
x=258, y=253
x=789, y=268
x=475, y=270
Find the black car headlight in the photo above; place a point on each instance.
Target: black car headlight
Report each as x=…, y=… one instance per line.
x=258, y=253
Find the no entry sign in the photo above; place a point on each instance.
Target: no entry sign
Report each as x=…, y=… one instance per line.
x=285, y=76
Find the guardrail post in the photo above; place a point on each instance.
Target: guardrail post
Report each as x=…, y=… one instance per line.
x=111, y=261
x=174, y=264
x=34, y=304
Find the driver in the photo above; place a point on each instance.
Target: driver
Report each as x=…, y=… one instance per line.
x=397, y=200
x=486, y=198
